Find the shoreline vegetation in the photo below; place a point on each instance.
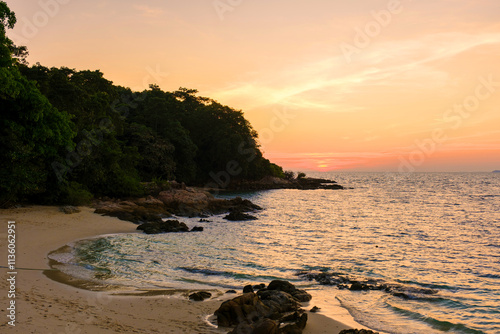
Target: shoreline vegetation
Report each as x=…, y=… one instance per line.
x=71, y=136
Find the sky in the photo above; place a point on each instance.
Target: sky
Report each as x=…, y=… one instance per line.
x=329, y=85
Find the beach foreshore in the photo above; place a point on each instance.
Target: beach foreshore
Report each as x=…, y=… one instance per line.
x=43, y=305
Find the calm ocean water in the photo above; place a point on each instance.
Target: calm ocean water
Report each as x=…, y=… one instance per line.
x=425, y=230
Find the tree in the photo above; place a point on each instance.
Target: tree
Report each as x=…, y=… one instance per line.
x=33, y=133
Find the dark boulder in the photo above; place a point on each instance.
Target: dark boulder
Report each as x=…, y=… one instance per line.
x=246, y=308
x=247, y=289
x=200, y=296
x=263, y=312
x=239, y=216
x=300, y=295
x=297, y=327
x=278, y=301
x=314, y=309
x=163, y=227
x=259, y=286
x=197, y=229
x=357, y=286
x=263, y=326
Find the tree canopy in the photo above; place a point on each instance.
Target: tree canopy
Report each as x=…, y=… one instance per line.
x=70, y=134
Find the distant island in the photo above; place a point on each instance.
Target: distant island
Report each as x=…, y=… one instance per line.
x=496, y=171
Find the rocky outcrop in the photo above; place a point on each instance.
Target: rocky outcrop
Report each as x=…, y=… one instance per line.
x=138, y=211
x=305, y=183
x=270, y=310
x=358, y=331
x=168, y=226
x=188, y=202
x=343, y=282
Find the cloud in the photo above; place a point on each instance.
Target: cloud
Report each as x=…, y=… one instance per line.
x=147, y=11
x=327, y=83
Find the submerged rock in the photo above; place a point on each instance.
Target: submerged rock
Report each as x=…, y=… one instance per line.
x=239, y=216
x=342, y=282
x=163, y=227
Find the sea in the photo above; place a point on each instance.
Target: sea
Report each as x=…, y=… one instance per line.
x=436, y=232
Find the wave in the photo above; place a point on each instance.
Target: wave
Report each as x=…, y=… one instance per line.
x=440, y=325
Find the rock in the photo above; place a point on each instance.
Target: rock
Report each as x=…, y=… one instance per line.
x=296, y=328
x=239, y=216
x=129, y=211
x=231, y=291
x=263, y=326
x=259, y=286
x=163, y=227
x=246, y=308
x=247, y=289
x=314, y=309
x=203, y=220
x=300, y=295
x=69, y=209
x=197, y=229
x=278, y=301
x=357, y=286
x=264, y=312
x=401, y=295
x=281, y=286
x=188, y=202
x=200, y=296
x=358, y=331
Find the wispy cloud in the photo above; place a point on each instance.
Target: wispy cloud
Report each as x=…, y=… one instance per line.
x=147, y=11
x=324, y=84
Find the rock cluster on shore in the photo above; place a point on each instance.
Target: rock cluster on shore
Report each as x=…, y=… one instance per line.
x=180, y=201
x=272, y=310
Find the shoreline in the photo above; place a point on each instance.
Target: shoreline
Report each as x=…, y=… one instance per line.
x=45, y=305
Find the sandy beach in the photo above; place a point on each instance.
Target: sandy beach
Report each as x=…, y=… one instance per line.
x=45, y=306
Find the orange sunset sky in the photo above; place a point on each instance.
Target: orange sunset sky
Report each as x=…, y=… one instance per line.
x=362, y=85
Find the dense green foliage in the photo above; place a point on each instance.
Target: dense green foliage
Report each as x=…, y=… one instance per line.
x=67, y=135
